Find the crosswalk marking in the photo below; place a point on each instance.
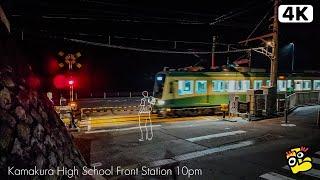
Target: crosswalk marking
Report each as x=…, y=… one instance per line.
x=311, y=172
x=274, y=176
x=231, y=133
x=197, y=154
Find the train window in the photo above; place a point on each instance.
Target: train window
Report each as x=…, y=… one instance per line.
x=231, y=86
x=257, y=84
x=185, y=87
x=243, y=85
x=218, y=86
x=282, y=85
x=268, y=83
x=201, y=87
x=316, y=84
x=297, y=85
x=306, y=84
x=289, y=83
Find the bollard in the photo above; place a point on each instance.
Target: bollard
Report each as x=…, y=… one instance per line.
x=104, y=95
x=130, y=94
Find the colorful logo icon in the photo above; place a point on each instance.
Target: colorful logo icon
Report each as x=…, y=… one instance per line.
x=298, y=161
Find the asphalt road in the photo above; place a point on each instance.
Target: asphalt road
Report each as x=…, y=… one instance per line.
x=205, y=148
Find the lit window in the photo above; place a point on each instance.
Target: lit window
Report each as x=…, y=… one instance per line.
x=268, y=83
x=282, y=85
x=289, y=84
x=316, y=84
x=185, y=87
x=244, y=84
x=232, y=86
x=257, y=84
x=201, y=87
x=306, y=84
x=298, y=85
x=218, y=86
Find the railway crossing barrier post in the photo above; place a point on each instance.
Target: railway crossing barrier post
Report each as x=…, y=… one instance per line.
x=318, y=118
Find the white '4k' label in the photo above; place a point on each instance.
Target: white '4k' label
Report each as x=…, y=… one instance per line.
x=295, y=13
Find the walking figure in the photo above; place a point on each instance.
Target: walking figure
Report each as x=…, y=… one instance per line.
x=145, y=109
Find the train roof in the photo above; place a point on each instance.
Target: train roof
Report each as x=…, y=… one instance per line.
x=231, y=73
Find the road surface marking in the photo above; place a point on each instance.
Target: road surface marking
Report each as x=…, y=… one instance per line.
x=161, y=162
x=315, y=160
x=197, y=154
x=116, y=130
x=97, y=164
x=231, y=133
x=318, y=152
x=274, y=176
x=288, y=125
x=311, y=172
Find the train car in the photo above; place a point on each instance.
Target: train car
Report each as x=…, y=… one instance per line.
x=183, y=93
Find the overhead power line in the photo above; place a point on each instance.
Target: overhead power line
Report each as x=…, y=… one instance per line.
x=155, y=50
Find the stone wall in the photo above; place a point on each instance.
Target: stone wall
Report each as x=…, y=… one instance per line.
x=31, y=133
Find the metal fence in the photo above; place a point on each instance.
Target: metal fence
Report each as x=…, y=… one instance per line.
x=302, y=98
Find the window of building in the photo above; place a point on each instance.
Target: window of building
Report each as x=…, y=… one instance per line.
x=218, y=86
x=185, y=87
x=201, y=87
x=316, y=85
x=282, y=85
x=306, y=84
x=257, y=84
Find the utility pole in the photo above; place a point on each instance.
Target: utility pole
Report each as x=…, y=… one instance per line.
x=228, y=58
x=212, y=53
x=274, y=62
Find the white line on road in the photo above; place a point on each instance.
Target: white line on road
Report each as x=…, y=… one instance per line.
x=196, y=154
x=318, y=153
x=97, y=164
x=231, y=133
x=274, y=176
x=288, y=125
x=315, y=160
x=116, y=130
x=311, y=172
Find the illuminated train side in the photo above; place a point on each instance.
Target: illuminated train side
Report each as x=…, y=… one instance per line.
x=193, y=93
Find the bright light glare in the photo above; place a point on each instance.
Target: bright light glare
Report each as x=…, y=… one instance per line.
x=71, y=82
x=161, y=102
x=159, y=78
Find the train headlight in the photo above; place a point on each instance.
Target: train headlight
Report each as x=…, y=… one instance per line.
x=161, y=102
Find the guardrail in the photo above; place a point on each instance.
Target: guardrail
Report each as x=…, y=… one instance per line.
x=86, y=111
x=302, y=98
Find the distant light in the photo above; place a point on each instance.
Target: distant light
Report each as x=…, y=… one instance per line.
x=269, y=43
x=282, y=77
x=71, y=82
x=159, y=78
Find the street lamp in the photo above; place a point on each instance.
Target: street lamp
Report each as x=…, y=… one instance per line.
x=292, y=56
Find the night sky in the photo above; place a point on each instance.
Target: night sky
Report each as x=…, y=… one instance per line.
x=47, y=24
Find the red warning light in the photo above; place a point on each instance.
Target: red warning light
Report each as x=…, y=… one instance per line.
x=71, y=82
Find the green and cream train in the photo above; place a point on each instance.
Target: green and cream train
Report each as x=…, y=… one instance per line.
x=199, y=91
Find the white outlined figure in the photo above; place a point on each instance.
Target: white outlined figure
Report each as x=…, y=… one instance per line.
x=145, y=109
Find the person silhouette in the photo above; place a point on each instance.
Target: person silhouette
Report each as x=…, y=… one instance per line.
x=145, y=109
